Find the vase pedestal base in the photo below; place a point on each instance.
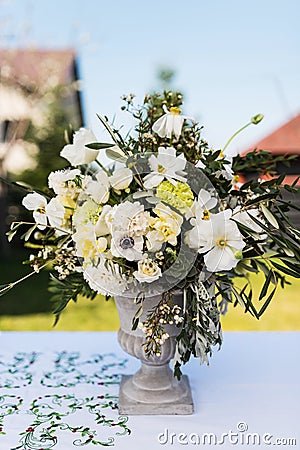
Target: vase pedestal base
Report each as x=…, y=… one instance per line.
x=157, y=405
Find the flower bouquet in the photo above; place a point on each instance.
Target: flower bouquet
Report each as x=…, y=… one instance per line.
x=168, y=215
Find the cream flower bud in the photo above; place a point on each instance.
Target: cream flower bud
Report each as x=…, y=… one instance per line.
x=256, y=119
x=101, y=244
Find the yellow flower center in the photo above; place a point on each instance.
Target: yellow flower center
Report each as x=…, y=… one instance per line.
x=236, y=178
x=175, y=110
x=206, y=215
x=221, y=242
x=88, y=249
x=161, y=169
x=221, y=155
x=165, y=230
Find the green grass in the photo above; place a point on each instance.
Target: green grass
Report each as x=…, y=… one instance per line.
x=282, y=314
x=84, y=315
x=28, y=308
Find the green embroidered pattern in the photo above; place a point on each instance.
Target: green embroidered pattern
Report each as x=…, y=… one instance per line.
x=52, y=414
x=17, y=373
x=70, y=370
x=9, y=404
x=55, y=418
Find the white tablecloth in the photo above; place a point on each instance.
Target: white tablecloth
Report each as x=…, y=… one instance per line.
x=59, y=390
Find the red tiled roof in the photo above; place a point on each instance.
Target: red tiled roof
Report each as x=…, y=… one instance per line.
x=284, y=140
x=35, y=67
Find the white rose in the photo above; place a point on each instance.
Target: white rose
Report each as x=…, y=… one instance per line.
x=121, y=179
x=148, y=271
x=77, y=153
x=58, y=180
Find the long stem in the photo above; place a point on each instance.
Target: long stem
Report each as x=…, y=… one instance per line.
x=234, y=135
x=102, y=167
x=46, y=226
x=14, y=283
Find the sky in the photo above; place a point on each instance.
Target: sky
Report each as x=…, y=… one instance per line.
x=232, y=59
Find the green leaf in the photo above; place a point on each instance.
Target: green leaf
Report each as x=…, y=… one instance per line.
x=263, y=267
x=291, y=263
x=115, y=155
x=26, y=236
x=269, y=216
x=267, y=302
x=135, y=323
x=67, y=290
x=11, y=234
x=99, y=145
x=269, y=279
x=238, y=297
x=290, y=205
x=104, y=122
x=286, y=270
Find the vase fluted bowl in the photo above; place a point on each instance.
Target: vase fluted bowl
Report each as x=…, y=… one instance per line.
x=153, y=389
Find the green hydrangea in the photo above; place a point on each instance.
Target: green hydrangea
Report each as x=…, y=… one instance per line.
x=179, y=196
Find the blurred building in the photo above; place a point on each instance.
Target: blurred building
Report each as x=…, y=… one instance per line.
x=33, y=84
x=28, y=81
x=285, y=141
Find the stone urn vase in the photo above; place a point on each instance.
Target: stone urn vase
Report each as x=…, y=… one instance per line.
x=153, y=389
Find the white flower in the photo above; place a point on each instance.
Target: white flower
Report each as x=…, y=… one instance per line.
x=148, y=271
x=99, y=189
x=155, y=240
x=123, y=245
x=77, y=153
x=201, y=211
x=54, y=211
x=202, y=206
x=86, y=243
x=124, y=217
x=37, y=203
x=221, y=241
x=105, y=279
x=121, y=179
x=164, y=228
x=245, y=217
x=166, y=165
x=139, y=223
x=59, y=182
x=170, y=123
